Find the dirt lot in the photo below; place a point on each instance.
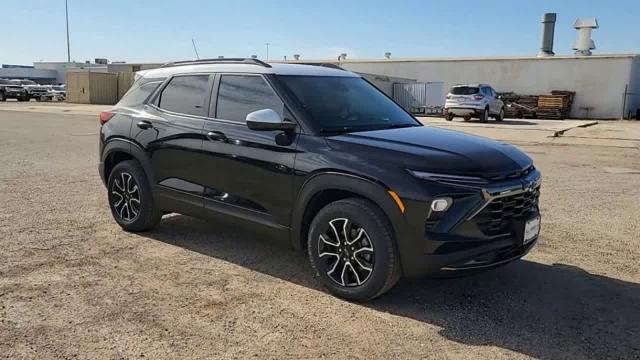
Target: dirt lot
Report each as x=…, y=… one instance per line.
x=73, y=285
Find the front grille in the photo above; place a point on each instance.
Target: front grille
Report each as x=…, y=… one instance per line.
x=496, y=218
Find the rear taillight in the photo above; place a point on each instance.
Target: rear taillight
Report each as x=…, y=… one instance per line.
x=478, y=97
x=105, y=116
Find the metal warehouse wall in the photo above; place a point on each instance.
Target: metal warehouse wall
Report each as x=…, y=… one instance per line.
x=599, y=80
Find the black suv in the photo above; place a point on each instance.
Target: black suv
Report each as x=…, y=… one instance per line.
x=10, y=90
x=321, y=158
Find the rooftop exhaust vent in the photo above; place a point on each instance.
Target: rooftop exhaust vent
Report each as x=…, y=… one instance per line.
x=387, y=55
x=584, y=44
x=548, y=29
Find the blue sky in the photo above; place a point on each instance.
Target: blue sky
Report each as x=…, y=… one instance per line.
x=149, y=31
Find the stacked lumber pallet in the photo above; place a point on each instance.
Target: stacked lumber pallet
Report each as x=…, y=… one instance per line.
x=555, y=106
x=522, y=106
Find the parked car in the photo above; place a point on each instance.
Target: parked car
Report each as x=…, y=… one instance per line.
x=468, y=101
x=8, y=90
x=323, y=160
x=56, y=92
x=33, y=89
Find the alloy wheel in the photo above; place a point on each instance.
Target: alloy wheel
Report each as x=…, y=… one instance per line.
x=346, y=253
x=125, y=197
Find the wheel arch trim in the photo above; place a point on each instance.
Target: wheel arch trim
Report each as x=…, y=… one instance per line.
x=372, y=190
x=115, y=145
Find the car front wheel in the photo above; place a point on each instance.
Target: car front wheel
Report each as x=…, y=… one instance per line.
x=352, y=248
x=500, y=116
x=130, y=197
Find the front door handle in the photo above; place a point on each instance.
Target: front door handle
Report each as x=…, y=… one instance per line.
x=144, y=124
x=216, y=136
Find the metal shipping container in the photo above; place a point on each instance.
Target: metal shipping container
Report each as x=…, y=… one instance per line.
x=423, y=98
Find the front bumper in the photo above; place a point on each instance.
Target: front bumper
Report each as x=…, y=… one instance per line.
x=14, y=93
x=483, y=229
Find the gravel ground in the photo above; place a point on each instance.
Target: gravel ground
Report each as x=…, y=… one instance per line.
x=73, y=285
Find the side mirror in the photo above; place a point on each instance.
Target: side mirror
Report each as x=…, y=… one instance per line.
x=499, y=97
x=267, y=120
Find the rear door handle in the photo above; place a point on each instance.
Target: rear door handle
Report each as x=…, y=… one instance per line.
x=144, y=124
x=216, y=136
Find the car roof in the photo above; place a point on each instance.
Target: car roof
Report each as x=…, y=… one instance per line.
x=279, y=69
x=470, y=85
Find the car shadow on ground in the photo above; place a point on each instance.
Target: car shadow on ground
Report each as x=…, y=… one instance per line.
x=544, y=311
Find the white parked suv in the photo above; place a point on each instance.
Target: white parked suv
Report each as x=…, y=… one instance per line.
x=469, y=101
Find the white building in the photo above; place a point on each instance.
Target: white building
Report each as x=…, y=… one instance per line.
x=607, y=86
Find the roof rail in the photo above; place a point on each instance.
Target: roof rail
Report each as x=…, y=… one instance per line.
x=327, y=65
x=249, y=61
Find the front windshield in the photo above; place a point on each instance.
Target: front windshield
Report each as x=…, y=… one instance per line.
x=344, y=104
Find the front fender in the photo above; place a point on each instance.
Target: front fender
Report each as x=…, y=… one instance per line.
x=367, y=188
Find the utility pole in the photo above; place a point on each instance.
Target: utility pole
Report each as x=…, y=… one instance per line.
x=267, y=58
x=66, y=11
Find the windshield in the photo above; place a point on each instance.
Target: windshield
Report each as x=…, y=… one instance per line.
x=344, y=104
x=464, y=90
x=24, y=82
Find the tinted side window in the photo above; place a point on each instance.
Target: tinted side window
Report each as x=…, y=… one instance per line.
x=138, y=94
x=186, y=95
x=241, y=94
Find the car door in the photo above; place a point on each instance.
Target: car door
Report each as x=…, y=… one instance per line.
x=170, y=131
x=249, y=174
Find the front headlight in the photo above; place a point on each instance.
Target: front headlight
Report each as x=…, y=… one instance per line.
x=448, y=178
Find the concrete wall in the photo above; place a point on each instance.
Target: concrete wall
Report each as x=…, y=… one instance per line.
x=598, y=81
x=131, y=67
x=633, y=92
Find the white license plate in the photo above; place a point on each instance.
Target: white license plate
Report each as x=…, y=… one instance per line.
x=531, y=229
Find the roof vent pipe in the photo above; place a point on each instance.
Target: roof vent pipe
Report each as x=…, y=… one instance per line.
x=387, y=55
x=584, y=44
x=296, y=57
x=548, y=29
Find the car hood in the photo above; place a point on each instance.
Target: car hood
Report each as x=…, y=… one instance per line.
x=434, y=149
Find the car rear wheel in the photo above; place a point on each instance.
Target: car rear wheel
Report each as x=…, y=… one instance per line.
x=130, y=197
x=2, y=97
x=466, y=118
x=352, y=249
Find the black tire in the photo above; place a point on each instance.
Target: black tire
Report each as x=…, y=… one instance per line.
x=382, y=259
x=466, y=118
x=500, y=115
x=448, y=117
x=484, y=117
x=23, y=99
x=2, y=97
x=128, y=176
